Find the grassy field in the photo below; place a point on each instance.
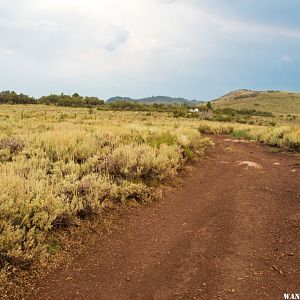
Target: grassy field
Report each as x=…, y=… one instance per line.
x=59, y=165
x=280, y=103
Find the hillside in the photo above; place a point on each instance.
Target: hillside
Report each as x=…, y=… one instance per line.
x=155, y=99
x=272, y=101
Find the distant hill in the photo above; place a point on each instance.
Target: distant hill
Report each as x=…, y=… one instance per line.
x=156, y=99
x=273, y=101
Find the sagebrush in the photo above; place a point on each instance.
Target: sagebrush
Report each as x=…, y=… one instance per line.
x=58, y=165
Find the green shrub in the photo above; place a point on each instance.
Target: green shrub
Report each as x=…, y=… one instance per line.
x=240, y=134
x=155, y=140
x=204, y=128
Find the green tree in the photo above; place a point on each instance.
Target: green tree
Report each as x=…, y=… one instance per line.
x=209, y=106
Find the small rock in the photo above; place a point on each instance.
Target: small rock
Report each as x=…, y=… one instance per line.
x=230, y=290
x=240, y=141
x=295, y=218
x=276, y=164
x=251, y=164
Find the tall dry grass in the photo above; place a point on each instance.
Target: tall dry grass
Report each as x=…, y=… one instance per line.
x=58, y=165
x=285, y=136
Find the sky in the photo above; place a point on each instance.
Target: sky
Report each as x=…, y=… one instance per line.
x=196, y=49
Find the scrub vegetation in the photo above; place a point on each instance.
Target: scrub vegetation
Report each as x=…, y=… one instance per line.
x=58, y=165
x=286, y=137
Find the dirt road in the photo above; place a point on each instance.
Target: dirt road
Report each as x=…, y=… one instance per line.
x=228, y=231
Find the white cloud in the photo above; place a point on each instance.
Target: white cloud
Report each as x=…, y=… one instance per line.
x=114, y=36
x=66, y=29
x=137, y=33
x=286, y=58
x=145, y=41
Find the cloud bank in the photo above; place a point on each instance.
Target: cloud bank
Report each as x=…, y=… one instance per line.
x=194, y=49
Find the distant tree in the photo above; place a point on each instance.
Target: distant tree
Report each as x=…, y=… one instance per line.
x=12, y=97
x=75, y=100
x=209, y=106
x=203, y=108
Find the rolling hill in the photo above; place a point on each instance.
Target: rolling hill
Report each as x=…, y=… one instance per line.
x=155, y=99
x=273, y=101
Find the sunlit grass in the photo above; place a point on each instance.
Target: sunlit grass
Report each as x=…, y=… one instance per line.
x=61, y=164
x=278, y=103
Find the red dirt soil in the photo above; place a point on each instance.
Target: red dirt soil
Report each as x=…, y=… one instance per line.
x=227, y=232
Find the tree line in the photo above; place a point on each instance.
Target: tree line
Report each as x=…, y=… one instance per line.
x=11, y=97
x=75, y=100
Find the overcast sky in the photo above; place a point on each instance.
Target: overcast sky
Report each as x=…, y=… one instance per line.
x=193, y=49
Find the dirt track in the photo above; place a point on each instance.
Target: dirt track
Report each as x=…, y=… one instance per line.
x=228, y=232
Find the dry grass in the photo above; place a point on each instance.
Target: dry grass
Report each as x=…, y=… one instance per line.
x=285, y=137
x=275, y=102
x=59, y=165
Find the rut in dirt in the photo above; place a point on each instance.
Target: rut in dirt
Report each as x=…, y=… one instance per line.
x=229, y=231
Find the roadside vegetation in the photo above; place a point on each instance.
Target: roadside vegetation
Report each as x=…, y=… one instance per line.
x=241, y=116
x=285, y=137
x=61, y=165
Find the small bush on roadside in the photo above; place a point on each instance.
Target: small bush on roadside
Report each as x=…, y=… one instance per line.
x=240, y=134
